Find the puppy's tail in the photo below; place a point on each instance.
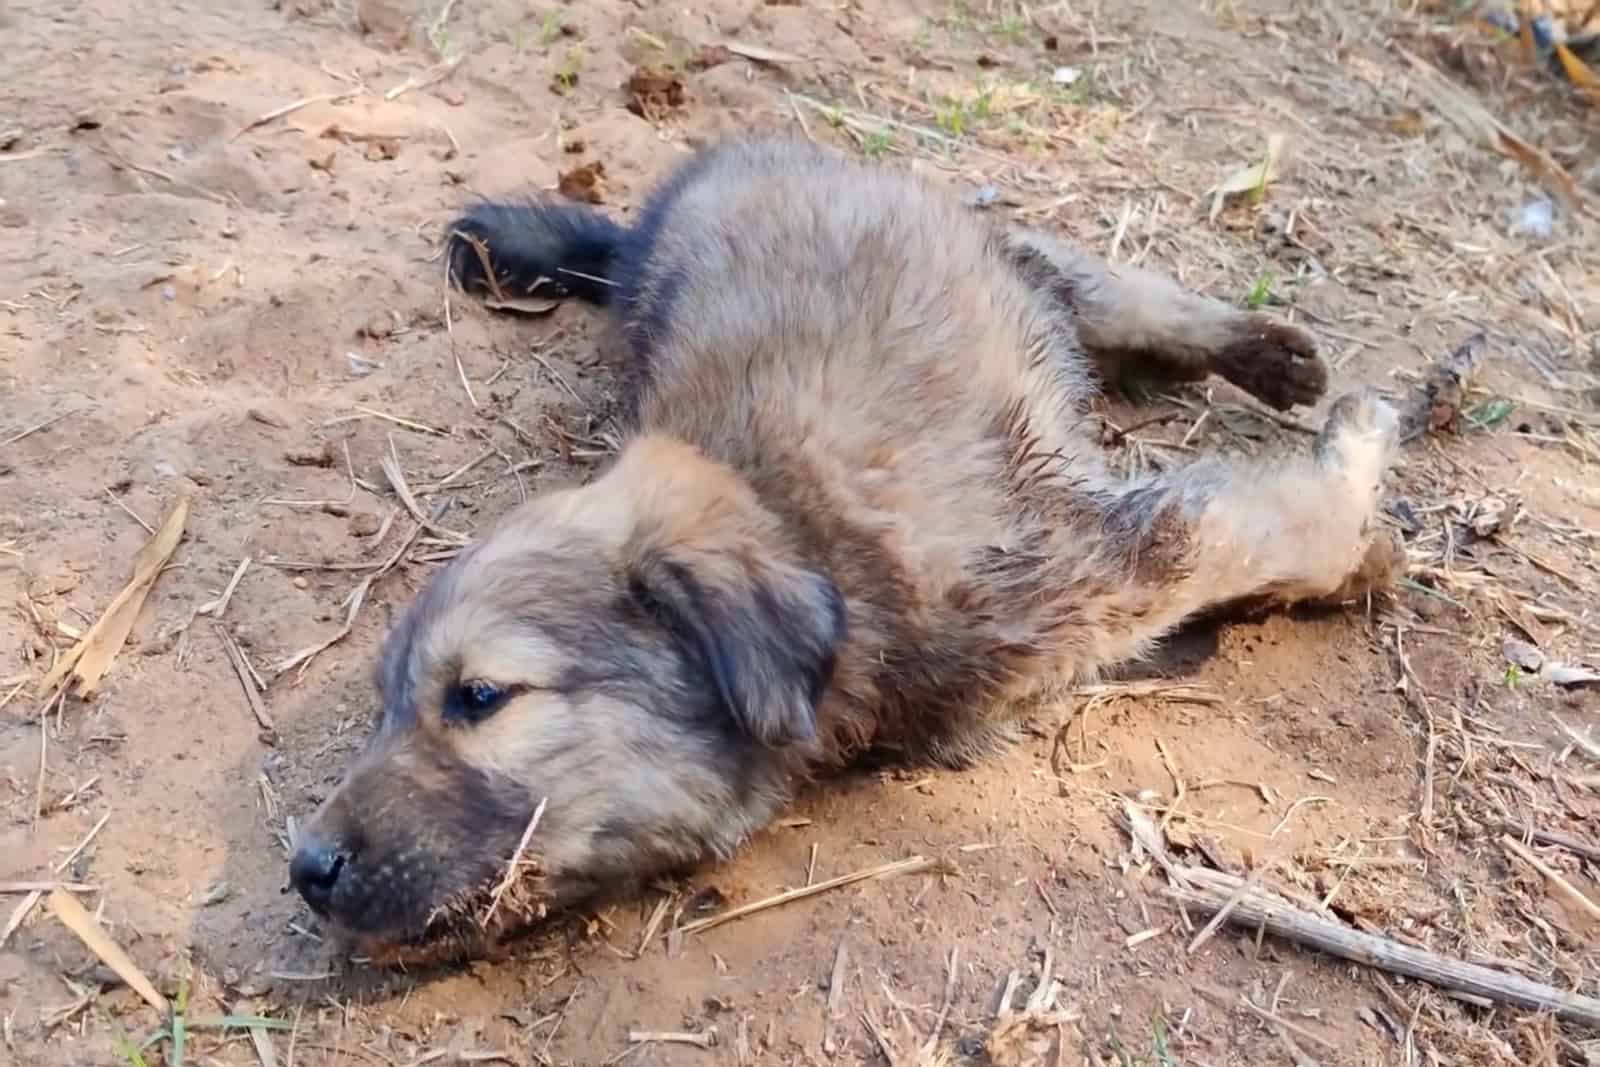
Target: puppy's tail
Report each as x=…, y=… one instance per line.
x=555, y=246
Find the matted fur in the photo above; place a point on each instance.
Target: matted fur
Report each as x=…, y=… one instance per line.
x=859, y=504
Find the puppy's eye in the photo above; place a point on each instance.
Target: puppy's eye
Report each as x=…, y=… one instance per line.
x=475, y=701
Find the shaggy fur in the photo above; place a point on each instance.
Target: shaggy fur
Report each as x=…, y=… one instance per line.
x=859, y=504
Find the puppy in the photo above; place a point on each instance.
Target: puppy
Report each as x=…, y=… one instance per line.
x=859, y=503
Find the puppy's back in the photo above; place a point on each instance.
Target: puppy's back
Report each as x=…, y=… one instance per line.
x=783, y=289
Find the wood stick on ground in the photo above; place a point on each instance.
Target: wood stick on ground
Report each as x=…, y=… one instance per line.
x=931, y=1046
x=1335, y=938
x=1570, y=894
x=290, y=109
x=78, y=851
x=29, y=431
x=1435, y=404
x=1576, y=846
x=1222, y=913
x=252, y=696
x=75, y=917
x=914, y=865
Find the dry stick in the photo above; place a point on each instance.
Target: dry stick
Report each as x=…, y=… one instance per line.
x=652, y=927
x=931, y=1045
x=1577, y=846
x=1227, y=909
x=410, y=424
x=358, y=596
x=241, y=668
x=216, y=607
x=78, y=851
x=77, y=919
x=397, y=481
x=1562, y=888
x=509, y=879
x=435, y=74
x=289, y=109
x=29, y=431
x=914, y=865
x=450, y=330
x=1278, y=1020
x=44, y=758
x=1335, y=938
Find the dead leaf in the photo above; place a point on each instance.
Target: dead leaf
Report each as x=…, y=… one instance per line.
x=91, y=657
x=585, y=184
x=1251, y=179
x=1578, y=73
x=76, y=918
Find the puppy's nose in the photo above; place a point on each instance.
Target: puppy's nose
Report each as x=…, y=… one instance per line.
x=314, y=871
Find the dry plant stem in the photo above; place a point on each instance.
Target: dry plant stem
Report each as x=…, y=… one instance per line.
x=509, y=879
x=289, y=109
x=1335, y=938
x=397, y=481
x=1574, y=845
x=78, y=850
x=1562, y=888
x=930, y=1046
x=358, y=596
x=1284, y=1024
x=914, y=865
x=241, y=668
x=29, y=431
x=1222, y=914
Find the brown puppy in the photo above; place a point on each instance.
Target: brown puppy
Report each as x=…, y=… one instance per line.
x=859, y=504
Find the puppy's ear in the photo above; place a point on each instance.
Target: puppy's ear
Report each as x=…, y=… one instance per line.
x=765, y=633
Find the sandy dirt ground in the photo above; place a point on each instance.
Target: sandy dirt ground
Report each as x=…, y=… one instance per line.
x=218, y=278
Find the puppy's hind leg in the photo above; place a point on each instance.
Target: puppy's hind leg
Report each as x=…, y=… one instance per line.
x=1218, y=532
x=1129, y=318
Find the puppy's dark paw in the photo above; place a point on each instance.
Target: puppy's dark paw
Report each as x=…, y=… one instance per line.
x=1274, y=362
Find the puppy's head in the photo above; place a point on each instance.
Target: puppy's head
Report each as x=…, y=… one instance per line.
x=637, y=660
